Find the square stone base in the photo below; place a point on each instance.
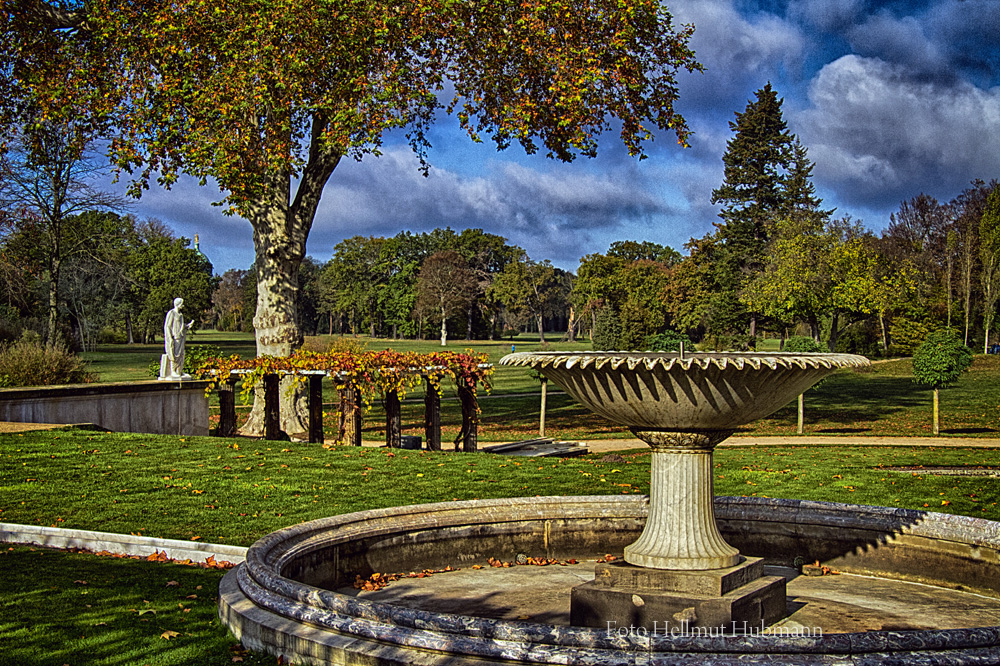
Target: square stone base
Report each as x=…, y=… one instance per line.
x=624, y=595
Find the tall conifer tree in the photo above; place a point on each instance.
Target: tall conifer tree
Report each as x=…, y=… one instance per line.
x=767, y=177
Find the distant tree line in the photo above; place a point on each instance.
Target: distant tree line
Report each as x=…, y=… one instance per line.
x=468, y=284
x=778, y=264
x=74, y=267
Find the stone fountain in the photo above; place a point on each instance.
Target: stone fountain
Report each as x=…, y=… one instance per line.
x=292, y=596
x=681, y=571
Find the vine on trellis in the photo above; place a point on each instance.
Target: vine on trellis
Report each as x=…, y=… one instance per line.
x=372, y=373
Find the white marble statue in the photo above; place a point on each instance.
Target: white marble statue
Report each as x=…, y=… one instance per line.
x=174, y=333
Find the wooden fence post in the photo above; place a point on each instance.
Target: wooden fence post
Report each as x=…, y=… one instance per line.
x=316, y=409
x=432, y=417
x=393, y=421
x=227, y=408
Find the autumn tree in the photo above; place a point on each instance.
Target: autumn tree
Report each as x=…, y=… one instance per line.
x=266, y=99
x=531, y=290
x=446, y=286
x=967, y=212
x=229, y=302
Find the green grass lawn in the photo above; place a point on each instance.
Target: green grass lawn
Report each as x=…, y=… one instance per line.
x=58, y=608
x=72, y=608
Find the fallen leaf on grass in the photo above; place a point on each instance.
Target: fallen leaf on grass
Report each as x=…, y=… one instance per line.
x=173, y=583
x=167, y=635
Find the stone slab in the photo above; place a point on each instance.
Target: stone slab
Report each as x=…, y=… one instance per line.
x=761, y=601
x=120, y=544
x=713, y=582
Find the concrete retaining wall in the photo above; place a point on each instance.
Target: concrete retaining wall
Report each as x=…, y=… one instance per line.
x=163, y=408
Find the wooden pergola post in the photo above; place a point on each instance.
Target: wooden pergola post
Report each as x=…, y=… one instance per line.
x=227, y=408
x=470, y=416
x=272, y=408
x=432, y=417
x=316, y=408
x=393, y=420
x=349, y=422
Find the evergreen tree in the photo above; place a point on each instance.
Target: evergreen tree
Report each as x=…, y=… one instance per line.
x=767, y=177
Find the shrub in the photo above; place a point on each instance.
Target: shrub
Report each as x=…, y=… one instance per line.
x=347, y=345
x=738, y=342
x=28, y=362
x=860, y=338
x=607, y=330
x=194, y=356
x=668, y=341
x=111, y=336
x=940, y=359
x=802, y=343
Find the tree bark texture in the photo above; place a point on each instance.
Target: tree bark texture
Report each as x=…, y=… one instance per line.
x=280, y=228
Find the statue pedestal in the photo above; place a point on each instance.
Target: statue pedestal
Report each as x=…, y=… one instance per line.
x=165, y=368
x=623, y=595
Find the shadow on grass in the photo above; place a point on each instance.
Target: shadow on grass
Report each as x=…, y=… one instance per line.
x=967, y=431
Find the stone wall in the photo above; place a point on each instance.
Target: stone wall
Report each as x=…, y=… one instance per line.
x=158, y=407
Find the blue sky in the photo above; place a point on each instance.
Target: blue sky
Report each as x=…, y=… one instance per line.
x=891, y=99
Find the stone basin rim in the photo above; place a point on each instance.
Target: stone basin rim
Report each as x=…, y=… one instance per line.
x=261, y=580
x=615, y=360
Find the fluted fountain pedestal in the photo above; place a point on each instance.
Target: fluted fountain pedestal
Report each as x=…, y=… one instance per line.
x=680, y=574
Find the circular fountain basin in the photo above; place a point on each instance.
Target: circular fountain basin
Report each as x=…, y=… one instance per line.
x=283, y=598
x=697, y=392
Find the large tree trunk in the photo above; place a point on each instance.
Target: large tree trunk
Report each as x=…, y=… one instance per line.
x=834, y=331
x=541, y=328
x=280, y=229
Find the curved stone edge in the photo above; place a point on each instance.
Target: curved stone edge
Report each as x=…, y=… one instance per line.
x=264, y=631
x=479, y=637
x=119, y=544
x=703, y=360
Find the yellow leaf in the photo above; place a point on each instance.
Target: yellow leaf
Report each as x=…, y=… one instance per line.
x=167, y=635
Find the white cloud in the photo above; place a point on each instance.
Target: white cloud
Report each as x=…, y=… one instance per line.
x=879, y=135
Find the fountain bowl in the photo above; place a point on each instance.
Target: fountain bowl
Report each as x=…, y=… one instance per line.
x=283, y=599
x=690, y=392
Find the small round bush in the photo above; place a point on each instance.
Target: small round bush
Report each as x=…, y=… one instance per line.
x=668, y=341
x=802, y=343
x=941, y=358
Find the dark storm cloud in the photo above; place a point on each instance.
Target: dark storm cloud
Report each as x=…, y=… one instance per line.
x=891, y=99
x=740, y=52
